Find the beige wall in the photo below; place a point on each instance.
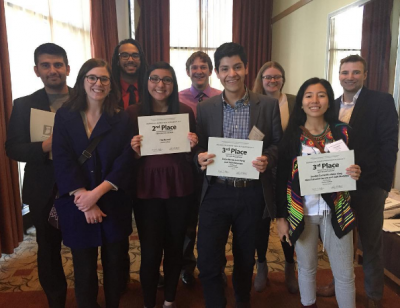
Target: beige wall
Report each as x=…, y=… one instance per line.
x=299, y=39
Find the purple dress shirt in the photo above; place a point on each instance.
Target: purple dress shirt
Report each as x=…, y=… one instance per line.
x=191, y=96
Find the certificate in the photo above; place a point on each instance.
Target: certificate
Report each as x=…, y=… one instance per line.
x=325, y=173
x=233, y=157
x=164, y=134
x=41, y=125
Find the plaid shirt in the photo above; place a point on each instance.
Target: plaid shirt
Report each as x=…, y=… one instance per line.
x=236, y=120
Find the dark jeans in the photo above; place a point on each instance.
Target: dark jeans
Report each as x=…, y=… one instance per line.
x=50, y=269
x=368, y=207
x=85, y=272
x=224, y=208
x=161, y=226
x=262, y=238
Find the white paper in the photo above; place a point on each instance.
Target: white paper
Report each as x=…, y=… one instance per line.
x=256, y=134
x=164, y=134
x=391, y=225
x=337, y=146
x=41, y=125
x=325, y=173
x=391, y=204
x=233, y=157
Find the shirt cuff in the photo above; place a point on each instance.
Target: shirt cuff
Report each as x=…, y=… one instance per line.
x=114, y=187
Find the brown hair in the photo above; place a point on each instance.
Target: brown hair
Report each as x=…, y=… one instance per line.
x=354, y=58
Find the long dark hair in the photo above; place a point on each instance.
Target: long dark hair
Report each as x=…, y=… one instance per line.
x=290, y=144
x=173, y=99
x=77, y=101
x=116, y=70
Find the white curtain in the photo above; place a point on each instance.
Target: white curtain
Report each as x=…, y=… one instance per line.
x=31, y=23
x=197, y=25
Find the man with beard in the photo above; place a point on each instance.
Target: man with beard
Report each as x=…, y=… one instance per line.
x=199, y=68
x=51, y=65
x=129, y=67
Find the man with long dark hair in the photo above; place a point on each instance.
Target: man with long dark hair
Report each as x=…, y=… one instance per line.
x=128, y=67
x=51, y=66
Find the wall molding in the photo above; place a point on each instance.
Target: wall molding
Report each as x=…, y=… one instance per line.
x=290, y=10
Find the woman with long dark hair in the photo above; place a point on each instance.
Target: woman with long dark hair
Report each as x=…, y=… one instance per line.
x=270, y=81
x=312, y=125
x=164, y=189
x=94, y=208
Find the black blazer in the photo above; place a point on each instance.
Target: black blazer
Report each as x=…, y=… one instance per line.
x=39, y=173
x=265, y=115
x=374, y=137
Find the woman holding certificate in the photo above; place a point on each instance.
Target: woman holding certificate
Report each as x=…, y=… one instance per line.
x=313, y=124
x=164, y=187
x=93, y=208
x=270, y=81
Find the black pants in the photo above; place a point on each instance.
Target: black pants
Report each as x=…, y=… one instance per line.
x=262, y=238
x=50, y=269
x=368, y=207
x=161, y=226
x=224, y=208
x=85, y=272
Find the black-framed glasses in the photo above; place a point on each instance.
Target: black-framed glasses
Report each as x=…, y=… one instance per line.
x=126, y=56
x=92, y=79
x=166, y=80
x=269, y=77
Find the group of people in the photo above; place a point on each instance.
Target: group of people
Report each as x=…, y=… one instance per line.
x=95, y=175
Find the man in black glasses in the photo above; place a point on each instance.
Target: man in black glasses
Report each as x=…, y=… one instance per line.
x=129, y=67
x=199, y=68
x=51, y=66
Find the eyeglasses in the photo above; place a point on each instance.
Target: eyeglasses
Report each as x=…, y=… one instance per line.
x=269, y=77
x=92, y=79
x=126, y=56
x=166, y=80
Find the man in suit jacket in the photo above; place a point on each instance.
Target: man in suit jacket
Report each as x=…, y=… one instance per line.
x=234, y=202
x=374, y=121
x=51, y=65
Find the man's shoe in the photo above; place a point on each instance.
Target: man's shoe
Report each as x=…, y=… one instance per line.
x=224, y=279
x=160, y=284
x=327, y=290
x=187, y=278
x=373, y=303
x=310, y=306
x=260, y=282
x=290, y=278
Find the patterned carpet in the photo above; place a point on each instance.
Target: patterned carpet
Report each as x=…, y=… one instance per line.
x=18, y=271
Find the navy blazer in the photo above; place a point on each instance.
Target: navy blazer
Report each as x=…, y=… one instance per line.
x=374, y=138
x=111, y=160
x=265, y=115
x=39, y=173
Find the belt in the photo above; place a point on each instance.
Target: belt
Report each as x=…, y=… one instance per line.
x=237, y=183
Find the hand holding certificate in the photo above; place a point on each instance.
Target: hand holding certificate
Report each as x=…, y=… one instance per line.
x=164, y=134
x=234, y=157
x=327, y=173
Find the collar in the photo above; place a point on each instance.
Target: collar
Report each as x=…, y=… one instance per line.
x=244, y=101
x=125, y=85
x=355, y=97
x=196, y=93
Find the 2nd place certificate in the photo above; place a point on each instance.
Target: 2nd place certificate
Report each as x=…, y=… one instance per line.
x=164, y=134
x=325, y=173
x=233, y=157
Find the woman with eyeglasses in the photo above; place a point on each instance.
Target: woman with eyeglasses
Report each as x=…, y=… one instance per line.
x=93, y=207
x=270, y=81
x=301, y=220
x=164, y=189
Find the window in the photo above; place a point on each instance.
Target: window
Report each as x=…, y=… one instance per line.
x=344, y=39
x=205, y=25
x=31, y=23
